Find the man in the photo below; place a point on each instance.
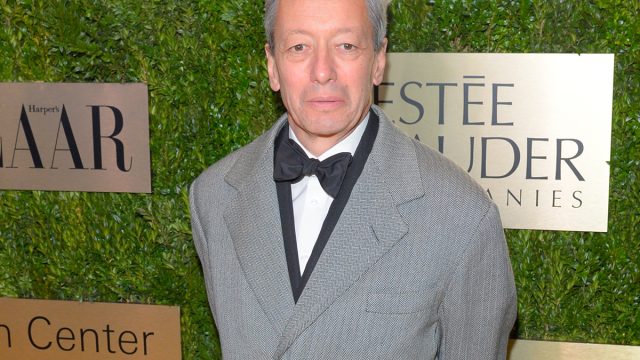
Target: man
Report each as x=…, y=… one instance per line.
x=379, y=249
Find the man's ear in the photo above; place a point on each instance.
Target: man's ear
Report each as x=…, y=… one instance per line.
x=379, y=62
x=272, y=69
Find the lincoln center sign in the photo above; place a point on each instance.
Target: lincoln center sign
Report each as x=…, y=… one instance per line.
x=77, y=137
x=67, y=330
x=533, y=129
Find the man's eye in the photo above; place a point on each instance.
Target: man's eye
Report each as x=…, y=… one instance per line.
x=347, y=46
x=297, y=47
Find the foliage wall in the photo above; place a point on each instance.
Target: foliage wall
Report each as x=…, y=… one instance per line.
x=204, y=64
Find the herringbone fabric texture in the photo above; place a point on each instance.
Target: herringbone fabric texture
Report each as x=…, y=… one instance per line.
x=416, y=268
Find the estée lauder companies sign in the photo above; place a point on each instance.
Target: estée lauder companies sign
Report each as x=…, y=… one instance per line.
x=533, y=129
x=75, y=137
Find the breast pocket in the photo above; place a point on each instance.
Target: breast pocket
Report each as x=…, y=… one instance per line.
x=406, y=302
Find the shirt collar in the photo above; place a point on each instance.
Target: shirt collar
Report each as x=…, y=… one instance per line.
x=348, y=144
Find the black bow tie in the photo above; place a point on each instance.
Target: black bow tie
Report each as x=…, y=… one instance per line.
x=292, y=164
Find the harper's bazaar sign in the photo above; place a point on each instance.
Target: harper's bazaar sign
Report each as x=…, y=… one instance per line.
x=533, y=129
x=75, y=137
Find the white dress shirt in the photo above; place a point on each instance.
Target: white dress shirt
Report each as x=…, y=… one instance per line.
x=310, y=202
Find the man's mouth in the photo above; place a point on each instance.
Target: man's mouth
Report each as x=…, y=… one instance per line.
x=325, y=102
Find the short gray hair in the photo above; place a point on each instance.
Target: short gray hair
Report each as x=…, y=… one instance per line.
x=376, y=9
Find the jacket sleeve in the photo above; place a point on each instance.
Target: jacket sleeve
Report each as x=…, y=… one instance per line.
x=479, y=307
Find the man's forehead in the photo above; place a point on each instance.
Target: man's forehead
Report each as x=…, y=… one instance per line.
x=337, y=16
x=319, y=2
x=335, y=31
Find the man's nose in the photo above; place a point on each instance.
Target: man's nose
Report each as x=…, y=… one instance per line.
x=323, y=66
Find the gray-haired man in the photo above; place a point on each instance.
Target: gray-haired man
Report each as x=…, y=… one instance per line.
x=333, y=236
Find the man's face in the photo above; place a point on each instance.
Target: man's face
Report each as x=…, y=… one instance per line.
x=324, y=66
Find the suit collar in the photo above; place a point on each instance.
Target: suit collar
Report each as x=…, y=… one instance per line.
x=369, y=226
x=253, y=221
x=392, y=152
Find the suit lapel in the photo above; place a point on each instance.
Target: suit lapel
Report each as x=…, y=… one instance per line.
x=253, y=221
x=368, y=227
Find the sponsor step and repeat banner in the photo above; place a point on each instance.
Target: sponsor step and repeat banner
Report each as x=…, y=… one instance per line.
x=79, y=137
x=533, y=129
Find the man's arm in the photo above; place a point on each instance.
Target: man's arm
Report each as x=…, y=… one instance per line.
x=479, y=307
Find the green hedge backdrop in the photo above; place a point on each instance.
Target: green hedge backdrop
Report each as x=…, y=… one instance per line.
x=208, y=91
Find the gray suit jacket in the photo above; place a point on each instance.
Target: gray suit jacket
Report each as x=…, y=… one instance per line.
x=416, y=268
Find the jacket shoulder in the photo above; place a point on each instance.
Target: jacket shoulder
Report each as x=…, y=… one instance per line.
x=239, y=161
x=443, y=179
x=213, y=176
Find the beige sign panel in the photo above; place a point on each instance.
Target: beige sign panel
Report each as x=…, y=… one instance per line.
x=74, y=137
x=533, y=129
x=66, y=330
x=551, y=350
